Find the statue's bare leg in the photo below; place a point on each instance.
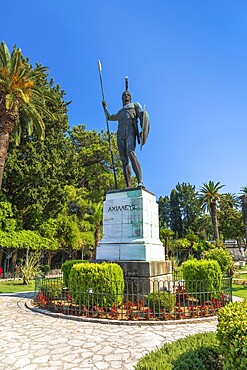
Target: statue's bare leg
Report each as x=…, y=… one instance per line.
x=136, y=166
x=125, y=160
x=126, y=171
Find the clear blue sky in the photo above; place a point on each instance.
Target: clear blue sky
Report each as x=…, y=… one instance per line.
x=186, y=61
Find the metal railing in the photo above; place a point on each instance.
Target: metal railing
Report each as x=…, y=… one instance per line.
x=136, y=299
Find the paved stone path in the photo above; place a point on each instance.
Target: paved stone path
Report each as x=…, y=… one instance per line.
x=31, y=340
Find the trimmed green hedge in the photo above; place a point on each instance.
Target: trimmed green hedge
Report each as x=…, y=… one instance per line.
x=232, y=335
x=202, y=276
x=66, y=268
x=159, y=301
x=100, y=284
x=199, y=351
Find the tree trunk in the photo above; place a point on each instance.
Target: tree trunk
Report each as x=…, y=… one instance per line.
x=213, y=210
x=4, y=144
x=244, y=212
x=96, y=240
x=97, y=235
x=1, y=256
x=166, y=247
x=7, y=123
x=49, y=255
x=13, y=261
x=27, y=256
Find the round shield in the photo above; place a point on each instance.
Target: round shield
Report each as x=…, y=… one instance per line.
x=145, y=127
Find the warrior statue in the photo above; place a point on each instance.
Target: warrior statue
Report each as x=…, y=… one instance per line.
x=128, y=133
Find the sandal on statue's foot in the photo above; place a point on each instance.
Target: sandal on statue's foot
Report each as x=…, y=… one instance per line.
x=141, y=185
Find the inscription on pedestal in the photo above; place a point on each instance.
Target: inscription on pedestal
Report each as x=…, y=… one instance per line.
x=127, y=207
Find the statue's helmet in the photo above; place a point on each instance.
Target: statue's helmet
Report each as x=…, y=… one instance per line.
x=126, y=94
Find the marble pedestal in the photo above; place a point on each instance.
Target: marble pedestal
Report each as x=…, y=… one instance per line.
x=130, y=227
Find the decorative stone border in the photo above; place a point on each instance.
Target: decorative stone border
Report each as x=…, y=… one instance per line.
x=29, y=305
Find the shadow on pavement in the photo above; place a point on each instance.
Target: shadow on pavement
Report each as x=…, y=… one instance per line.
x=19, y=294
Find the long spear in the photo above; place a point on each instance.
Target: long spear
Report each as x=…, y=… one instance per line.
x=107, y=124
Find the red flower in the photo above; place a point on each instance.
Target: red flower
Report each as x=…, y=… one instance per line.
x=140, y=304
x=41, y=298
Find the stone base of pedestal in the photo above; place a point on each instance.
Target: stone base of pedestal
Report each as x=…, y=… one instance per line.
x=142, y=277
x=144, y=269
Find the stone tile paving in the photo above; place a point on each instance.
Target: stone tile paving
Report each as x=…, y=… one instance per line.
x=33, y=341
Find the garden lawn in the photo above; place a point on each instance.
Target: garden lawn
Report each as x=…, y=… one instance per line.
x=15, y=286
x=241, y=276
x=239, y=290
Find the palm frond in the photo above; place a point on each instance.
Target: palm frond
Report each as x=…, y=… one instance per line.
x=38, y=91
x=15, y=61
x=37, y=75
x=40, y=70
x=244, y=190
x=17, y=131
x=50, y=96
x=9, y=100
x=4, y=56
x=30, y=127
x=218, y=186
x=24, y=71
x=2, y=81
x=36, y=120
x=41, y=107
x=23, y=96
x=39, y=126
x=46, y=94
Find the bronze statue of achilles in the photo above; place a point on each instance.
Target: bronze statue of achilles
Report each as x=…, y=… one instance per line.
x=128, y=133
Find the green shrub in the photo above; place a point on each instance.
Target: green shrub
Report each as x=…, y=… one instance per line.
x=199, y=351
x=45, y=269
x=97, y=284
x=66, y=268
x=159, y=301
x=52, y=288
x=202, y=276
x=232, y=335
x=222, y=256
x=30, y=268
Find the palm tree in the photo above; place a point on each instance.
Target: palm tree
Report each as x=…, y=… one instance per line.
x=165, y=234
x=229, y=200
x=209, y=196
x=23, y=95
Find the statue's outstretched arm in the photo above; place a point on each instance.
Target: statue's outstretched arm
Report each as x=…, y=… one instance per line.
x=110, y=117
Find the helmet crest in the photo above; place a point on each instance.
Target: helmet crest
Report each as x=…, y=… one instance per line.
x=126, y=92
